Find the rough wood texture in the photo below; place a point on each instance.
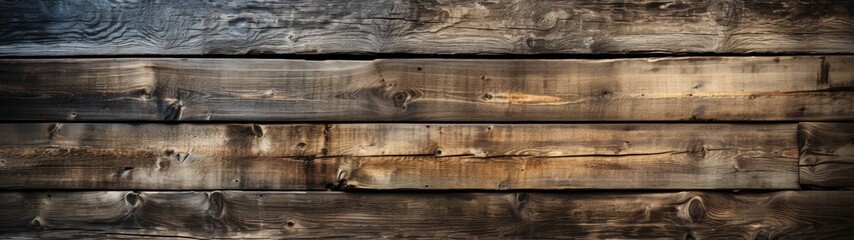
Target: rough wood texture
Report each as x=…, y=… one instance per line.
x=827, y=154
x=656, y=89
x=240, y=214
x=398, y=156
x=102, y=27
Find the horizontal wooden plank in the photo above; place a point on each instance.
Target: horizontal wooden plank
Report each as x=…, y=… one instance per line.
x=247, y=214
x=398, y=156
x=827, y=154
x=103, y=27
x=400, y=90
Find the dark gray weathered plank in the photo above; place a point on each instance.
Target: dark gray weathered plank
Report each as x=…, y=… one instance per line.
x=102, y=27
x=247, y=214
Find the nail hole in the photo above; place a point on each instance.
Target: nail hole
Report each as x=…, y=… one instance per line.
x=438, y=152
x=419, y=68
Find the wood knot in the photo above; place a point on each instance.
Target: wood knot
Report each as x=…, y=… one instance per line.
x=132, y=198
x=697, y=151
x=257, y=131
x=173, y=112
x=400, y=97
x=53, y=129
x=215, y=204
x=695, y=210
x=725, y=12
x=548, y=20
x=521, y=206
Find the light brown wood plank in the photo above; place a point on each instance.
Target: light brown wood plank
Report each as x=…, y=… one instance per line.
x=408, y=90
x=102, y=27
x=398, y=156
x=242, y=214
x=507, y=156
x=827, y=154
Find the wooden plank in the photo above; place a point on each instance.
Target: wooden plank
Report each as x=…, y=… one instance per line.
x=156, y=156
x=247, y=214
x=405, y=90
x=643, y=156
x=374, y=156
x=103, y=27
x=827, y=154
x=840, y=71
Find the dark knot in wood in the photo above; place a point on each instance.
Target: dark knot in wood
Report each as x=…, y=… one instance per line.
x=132, y=198
x=695, y=210
x=400, y=97
x=215, y=206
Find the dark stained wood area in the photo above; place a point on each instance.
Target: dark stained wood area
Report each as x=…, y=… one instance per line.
x=649, y=89
x=827, y=154
x=247, y=214
x=103, y=27
x=398, y=156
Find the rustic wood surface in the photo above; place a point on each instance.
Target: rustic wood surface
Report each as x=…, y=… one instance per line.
x=247, y=214
x=374, y=156
x=103, y=27
x=827, y=154
x=395, y=90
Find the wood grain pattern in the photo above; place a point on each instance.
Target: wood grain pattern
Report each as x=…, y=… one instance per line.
x=103, y=27
x=247, y=214
x=406, y=90
x=827, y=154
x=398, y=156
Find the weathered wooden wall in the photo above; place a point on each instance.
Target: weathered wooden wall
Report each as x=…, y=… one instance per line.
x=654, y=119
